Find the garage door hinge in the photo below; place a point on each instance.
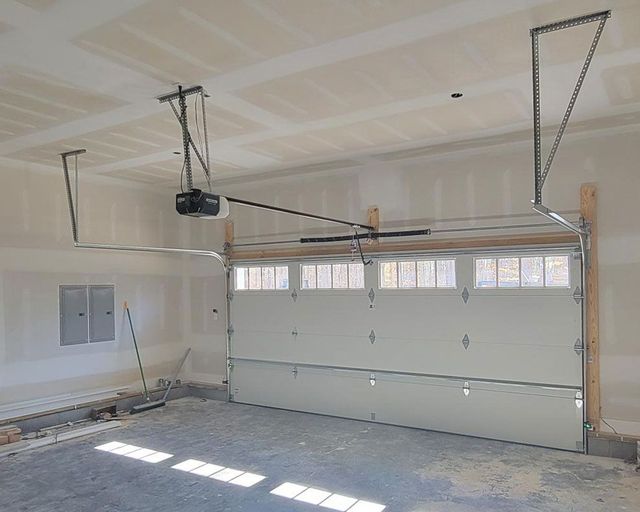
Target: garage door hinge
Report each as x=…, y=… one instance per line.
x=465, y=341
x=579, y=399
x=466, y=388
x=578, y=346
x=465, y=295
x=294, y=333
x=230, y=296
x=577, y=295
x=372, y=336
x=372, y=379
x=294, y=295
x=230, y=330
x=295, y=372
x=371, y=295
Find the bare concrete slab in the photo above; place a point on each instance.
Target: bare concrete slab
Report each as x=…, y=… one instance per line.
x=404, y=469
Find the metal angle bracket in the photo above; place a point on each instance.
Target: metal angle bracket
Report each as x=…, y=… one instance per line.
x=371, y=295
x=578, y=346
x=184, y=92
x=583, y=229
x=465, y=341
x=540, y=173
x=372, y=336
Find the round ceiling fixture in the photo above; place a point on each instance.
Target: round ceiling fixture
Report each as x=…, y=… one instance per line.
x=456, y=95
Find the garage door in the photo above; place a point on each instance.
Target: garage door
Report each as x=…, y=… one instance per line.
x=486, y=345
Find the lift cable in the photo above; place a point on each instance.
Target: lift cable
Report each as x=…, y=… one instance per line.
x=357, y=240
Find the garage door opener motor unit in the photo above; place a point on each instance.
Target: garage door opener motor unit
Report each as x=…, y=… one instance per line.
x=197, y=203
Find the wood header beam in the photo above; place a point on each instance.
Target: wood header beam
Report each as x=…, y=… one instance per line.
x=373, y=219
x=228, y=232
x=588, y=210
x=541, y=239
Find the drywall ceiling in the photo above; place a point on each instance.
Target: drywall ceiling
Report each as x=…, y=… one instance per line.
x=296, y=84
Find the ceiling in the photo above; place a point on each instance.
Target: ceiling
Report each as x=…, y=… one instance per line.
x=298, y=85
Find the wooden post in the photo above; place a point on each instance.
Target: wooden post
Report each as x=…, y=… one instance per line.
x=373, y=219
x=588, y=210
x=228, y=233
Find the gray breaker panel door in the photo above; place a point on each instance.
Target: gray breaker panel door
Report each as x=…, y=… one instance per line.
x=101, y=313
x=73, y=315
x=501, y=365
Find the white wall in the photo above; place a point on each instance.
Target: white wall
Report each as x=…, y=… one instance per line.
x=36, y=255
x=205, y=331
x=488, y=187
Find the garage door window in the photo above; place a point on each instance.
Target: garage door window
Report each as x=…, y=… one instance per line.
x=262, y=278
x=550, y=271
x=418, y=274
x=327, y=276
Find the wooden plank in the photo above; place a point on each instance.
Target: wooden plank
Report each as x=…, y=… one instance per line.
x=540, y=239
x=228, y=233
x=373, y=219
x=588, y=210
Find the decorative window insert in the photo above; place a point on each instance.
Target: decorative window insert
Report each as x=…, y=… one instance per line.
x=409, y=274
x=261, y=278
x=327, y=276
x=544, y=271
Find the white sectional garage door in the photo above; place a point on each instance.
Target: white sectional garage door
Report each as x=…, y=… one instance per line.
x=495, y=357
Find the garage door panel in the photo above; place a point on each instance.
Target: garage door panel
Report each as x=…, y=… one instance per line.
x=307, y=390
x=522, y=416
x=418, y=316
x=272, y=312
x=486, y=318
x=511, y=362
x=516, y=362
x=255, y=344
x=519, y=413
x=551, y=319
x=333, y=313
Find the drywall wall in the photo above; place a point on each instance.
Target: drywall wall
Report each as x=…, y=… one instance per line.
x=484, y=187
x=204, y=304
x=36, y=256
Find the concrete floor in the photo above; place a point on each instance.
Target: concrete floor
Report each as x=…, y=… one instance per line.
x=405, y=469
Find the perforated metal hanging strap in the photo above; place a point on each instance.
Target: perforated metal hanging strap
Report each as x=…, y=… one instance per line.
x=540, y=173
x=207, y=168
x=572, y=101
x=182, y=101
